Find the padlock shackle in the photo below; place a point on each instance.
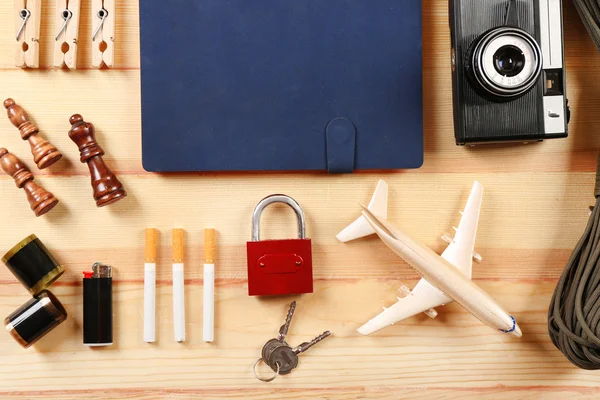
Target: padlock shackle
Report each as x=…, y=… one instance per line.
x=277, y=198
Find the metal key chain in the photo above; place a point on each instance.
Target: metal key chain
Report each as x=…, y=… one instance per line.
x=271, y=379
x=279, y=355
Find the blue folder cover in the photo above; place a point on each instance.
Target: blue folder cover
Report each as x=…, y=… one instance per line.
x=241, y=85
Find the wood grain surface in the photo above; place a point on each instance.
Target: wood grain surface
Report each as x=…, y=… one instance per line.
x=534, y=210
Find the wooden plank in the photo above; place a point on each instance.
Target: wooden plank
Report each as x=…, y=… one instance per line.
x=551, y=214
x=523, y=234
x=452, y=351
x=121, y=121
x=579, y=48
x=37, y=94
x=345, y=393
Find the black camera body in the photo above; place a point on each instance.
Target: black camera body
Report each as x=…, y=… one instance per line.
x=508, y=76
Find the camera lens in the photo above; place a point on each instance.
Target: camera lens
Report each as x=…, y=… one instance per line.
x=504, y=63
x=509, y=61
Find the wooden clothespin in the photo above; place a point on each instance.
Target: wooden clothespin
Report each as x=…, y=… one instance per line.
x=103, y=33
x=28, y=15
x=67, y=28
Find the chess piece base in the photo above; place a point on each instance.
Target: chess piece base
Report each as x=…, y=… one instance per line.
x=45, y=206
x=49, y=160
x=110, y=198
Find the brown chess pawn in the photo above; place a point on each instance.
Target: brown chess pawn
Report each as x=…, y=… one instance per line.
x=40, y=200
x=107, y=188
x=44, y=154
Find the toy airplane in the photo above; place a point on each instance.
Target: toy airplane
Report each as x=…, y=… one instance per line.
x=445, y=278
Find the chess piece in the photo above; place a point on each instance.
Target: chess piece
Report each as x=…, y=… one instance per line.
x=44, y=154
x=40, y=200
x=107, y=188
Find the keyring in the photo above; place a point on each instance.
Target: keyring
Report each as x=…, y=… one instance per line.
x=263, y=379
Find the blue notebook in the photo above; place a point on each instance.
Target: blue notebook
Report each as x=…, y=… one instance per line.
x=245, y=85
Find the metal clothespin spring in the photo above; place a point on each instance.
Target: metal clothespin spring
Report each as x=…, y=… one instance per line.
x=66, y=15
x=24, y=14
x=102, y=14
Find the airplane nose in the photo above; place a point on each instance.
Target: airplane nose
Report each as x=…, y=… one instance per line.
x=516, y=332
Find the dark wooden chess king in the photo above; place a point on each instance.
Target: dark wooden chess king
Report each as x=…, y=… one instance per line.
x=40, y=200
x=107, y=188
x=44, y=154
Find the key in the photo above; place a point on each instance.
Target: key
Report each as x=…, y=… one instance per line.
x=272, y=344
x=285, y=359
x=102, y=14
x=307, y=345
x=25, y=14
x=288, y=320
x=66, y=15
x=269, y=348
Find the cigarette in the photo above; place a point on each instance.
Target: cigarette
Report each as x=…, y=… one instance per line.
x=150, y=286
x=178, y=289
x=209, y=285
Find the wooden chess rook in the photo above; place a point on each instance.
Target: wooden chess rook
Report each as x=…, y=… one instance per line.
x=44, y=154
x=107, y=188
x=40, y=200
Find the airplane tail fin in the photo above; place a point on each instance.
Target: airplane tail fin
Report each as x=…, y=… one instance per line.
x=360, y=227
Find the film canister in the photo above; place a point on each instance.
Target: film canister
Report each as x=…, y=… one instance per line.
x=97, y=306
x=32, y=264
x=34, y=319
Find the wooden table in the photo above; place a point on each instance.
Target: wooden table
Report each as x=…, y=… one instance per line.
x=534, y=211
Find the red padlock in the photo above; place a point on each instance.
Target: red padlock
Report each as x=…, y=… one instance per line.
x=277, y=267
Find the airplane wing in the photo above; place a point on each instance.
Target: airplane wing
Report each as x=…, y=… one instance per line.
x=461, y=250
x=424, y=297
x=360, y=227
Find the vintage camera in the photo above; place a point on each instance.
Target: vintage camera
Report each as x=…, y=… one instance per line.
x=508, y=76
